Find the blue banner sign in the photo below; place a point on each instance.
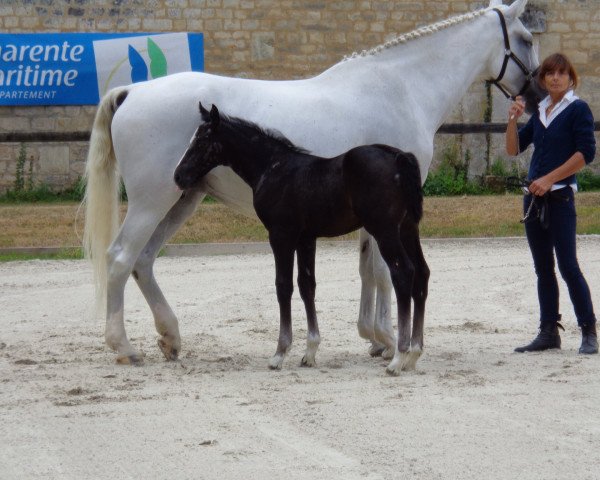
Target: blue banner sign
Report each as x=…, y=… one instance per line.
x=79, y=68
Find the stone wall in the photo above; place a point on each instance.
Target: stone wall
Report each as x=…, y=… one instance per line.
x=277, y=39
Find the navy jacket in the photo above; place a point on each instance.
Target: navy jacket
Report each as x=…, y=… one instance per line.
x=571, y=131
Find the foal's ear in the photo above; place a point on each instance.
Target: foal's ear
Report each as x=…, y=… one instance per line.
x=214, y=116
x=204, y=112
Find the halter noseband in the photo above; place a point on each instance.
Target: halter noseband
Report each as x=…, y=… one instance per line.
x=508, y=55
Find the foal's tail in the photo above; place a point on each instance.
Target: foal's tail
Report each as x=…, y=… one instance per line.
x=410, y=183
x=101, y=197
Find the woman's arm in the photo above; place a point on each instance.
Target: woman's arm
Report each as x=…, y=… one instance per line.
x=575, y=163
x=515, y=110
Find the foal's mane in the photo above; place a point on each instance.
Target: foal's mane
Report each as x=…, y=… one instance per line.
x=419, y=32
x=249, y=131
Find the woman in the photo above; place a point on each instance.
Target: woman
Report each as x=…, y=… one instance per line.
x=562, y=132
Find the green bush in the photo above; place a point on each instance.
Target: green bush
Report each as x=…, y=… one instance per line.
x=588, y=181
x=451, y=177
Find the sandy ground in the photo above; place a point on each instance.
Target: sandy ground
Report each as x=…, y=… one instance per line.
x=472, y=410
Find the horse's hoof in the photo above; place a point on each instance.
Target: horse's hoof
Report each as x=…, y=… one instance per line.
x=308, y=362
x=135, y=360
x=170, y=353
x=376, y=350
x=388, y=353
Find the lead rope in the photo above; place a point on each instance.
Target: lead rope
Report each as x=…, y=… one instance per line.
x=528, y=214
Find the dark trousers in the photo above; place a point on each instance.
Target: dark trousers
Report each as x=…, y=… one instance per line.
x=559, y=237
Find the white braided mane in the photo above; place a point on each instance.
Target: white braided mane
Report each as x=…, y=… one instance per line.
x=419, y=32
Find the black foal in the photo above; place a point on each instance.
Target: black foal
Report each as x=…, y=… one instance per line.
x=300, y=197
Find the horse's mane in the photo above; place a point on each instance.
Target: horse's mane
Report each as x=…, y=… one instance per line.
x=250, y=129
x=419, y=32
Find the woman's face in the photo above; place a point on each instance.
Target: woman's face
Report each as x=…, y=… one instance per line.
x=557, y=83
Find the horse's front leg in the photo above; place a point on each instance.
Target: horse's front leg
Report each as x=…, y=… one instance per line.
x=383, y=329
x=283, y=251
x=367, y=293
x=375, y=279
x=165, y=320
x=307, y=286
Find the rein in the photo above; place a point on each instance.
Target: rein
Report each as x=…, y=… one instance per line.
x=540, y=203
x=509, y=55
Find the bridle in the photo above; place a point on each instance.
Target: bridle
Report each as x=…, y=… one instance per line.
x=509, y=55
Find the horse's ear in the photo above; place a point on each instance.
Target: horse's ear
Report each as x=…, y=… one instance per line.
x=214, y=116
x=516, y=9
x=204, y=112
x=495, y=3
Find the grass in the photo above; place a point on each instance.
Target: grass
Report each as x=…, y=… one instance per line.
x=72, y=253
x=60, y=225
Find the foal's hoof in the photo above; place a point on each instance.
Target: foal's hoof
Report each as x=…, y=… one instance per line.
x=276, y=362
x=170, y=353
x=135, y=360
x=400, y=362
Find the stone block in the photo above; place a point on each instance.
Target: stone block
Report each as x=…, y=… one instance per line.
x=54, y=160
x=263, y=46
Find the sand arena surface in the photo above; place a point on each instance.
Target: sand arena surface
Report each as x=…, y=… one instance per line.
x=472, y=410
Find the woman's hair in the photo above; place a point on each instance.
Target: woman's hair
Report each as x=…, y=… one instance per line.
x=557, y=62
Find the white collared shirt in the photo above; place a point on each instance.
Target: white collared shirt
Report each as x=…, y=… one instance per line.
x=567, y=99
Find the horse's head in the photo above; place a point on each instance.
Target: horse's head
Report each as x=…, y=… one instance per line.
x=514, y=63
x=204, y=152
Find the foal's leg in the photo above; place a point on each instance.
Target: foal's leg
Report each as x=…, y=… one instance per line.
x=410, y=238
x=402, y=274
x=307, y=285
x=283, y=250
x=164, y=318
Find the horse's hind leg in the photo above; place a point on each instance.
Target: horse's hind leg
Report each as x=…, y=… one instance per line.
x=136, y=230
x=164, y=318
x=307, y=285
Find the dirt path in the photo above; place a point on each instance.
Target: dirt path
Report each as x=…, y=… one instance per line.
x=472, y=410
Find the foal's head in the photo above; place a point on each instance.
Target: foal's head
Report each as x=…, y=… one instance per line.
x=223, y=140
x=204, y=152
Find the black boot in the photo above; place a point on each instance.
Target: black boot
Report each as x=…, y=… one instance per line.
x=547, y=338
x=589, y=340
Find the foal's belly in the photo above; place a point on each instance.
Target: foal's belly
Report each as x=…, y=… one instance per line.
x=333, y=227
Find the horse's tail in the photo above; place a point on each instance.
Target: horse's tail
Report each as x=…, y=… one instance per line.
x=410, y=183
x=101, y=199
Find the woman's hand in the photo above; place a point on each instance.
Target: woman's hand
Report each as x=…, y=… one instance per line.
x=516, y=109
x=540, y=186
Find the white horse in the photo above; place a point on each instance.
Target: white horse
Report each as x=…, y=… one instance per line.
x=397, y=94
